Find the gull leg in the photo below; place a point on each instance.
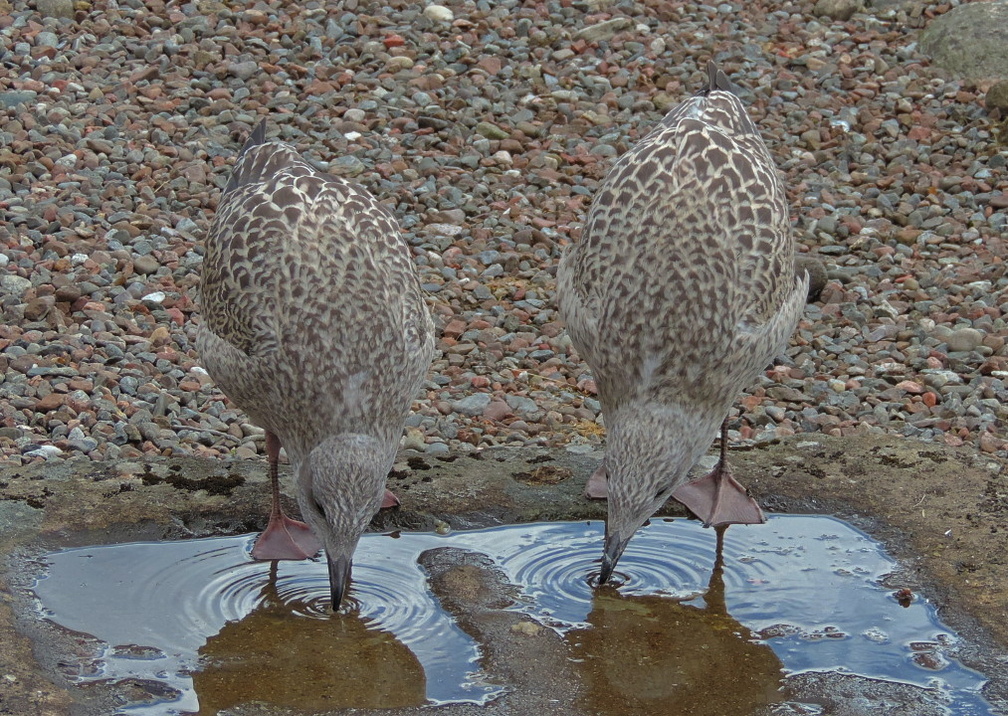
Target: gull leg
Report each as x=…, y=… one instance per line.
x=598, y=484
x=283, y=538
x=718, y=498
x=389, y=500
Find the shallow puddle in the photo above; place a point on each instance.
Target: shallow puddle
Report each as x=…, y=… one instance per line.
x=196, y=626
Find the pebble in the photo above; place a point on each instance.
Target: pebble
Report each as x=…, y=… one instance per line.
x=964, y=339
x=472, y=405
x=438, y=13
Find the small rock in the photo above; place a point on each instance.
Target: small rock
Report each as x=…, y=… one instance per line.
x=990, y=443
x=15, y=285
x=997, y=97
x=347, y=166
x=46, y=451
x=816, y=271
x=522, y=405
x=243, y=70
x=49, y=402
x=69, y=293
x=55, y=8
x=146, y=264
x=46, y=39
x=414, y=440
x=438, y=13
x=472, y=405
x=37, y=308
x=526, y=628
x=79, y=441
x=496, y=410
x=603, y=30
x=491, y=131
x=964, y=339
x=160, y=336
x=837, y=9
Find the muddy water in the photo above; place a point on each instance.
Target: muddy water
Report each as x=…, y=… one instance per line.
x=196, y=626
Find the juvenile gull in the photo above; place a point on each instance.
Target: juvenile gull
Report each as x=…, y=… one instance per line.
x=314, y=324
x=680, y=291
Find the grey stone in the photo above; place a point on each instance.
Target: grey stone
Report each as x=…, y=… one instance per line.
x=997, y=97
x=964, y=339
x=491, y=131
x=970, y=40
x=243, y=70
x=13, y=98
x=603, y=30
x=347, y=166
x=526, y=407
x=55, y=8
x=15, y=285
x=471, y=405
x=146, y=264
x=46, y=39
x=837, y=9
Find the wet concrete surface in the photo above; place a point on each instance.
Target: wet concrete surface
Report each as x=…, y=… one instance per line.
x=939, y=511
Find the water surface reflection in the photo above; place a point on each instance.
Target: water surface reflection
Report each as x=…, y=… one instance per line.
x=277, y=655
x=203, y=626
x=656, y=655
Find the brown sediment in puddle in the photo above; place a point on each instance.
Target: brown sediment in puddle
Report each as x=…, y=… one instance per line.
x=651, y=655
x=195, y=626
x=278, y=656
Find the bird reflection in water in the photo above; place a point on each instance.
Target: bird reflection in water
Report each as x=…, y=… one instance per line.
x=313, y=663
x=655, y=655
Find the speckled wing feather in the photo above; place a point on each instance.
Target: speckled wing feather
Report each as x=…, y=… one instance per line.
x=314, y=320
x=683, y=283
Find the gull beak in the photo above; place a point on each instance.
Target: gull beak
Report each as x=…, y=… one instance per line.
x=614, y=546
x=339, y=578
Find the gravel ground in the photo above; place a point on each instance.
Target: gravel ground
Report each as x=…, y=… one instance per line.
x=486, y=127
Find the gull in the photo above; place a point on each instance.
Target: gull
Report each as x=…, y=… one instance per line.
x=314, y=324
x=680, y=291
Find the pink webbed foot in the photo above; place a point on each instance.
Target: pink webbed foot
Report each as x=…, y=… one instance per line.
x=285, y=538
x=389, y=500
x=598, y=484
x=719, y=499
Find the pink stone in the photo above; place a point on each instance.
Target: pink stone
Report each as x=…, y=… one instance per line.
x=496, y=410
x=910, y=386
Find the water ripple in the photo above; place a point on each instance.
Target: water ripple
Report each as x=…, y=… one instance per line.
x=558, y=565
x=169, y=612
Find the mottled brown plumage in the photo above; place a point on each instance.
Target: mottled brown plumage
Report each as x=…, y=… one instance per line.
x=314, y=324
x=680, y=291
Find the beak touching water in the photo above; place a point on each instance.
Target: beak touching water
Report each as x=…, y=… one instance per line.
x=339, y=578
x=614, y=546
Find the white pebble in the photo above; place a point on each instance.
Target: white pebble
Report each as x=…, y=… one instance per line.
x=438, y=13
x=78, y=259
x=156, y=297
x=445, y=229
x=46, y=451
